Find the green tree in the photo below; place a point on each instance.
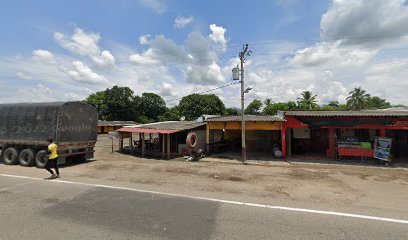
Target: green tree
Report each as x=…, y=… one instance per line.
x=273, y=108
x=171, y=114
x=377, y=103
x=268, y=102
x=358, y=99
x=195, y=105
x=333, y=104
x=150, y=107
x=120, y=104
x=308, y=100
x=232, y=111
x=254, y=107
x=98, y=100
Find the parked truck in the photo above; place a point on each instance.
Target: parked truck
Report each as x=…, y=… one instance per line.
x=25, y=128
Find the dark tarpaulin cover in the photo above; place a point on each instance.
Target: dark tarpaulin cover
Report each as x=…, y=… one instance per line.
x=35, y=122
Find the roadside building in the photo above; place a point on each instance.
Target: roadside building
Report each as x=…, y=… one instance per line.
x=110, y=126
x=263, y=133
x=161, y=139
x=345, y=134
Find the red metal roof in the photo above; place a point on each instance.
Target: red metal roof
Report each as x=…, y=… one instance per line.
x=146, y=130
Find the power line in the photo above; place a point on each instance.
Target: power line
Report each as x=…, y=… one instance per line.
x=210, y=90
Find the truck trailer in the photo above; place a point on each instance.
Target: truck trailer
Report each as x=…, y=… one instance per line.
x=25, y=128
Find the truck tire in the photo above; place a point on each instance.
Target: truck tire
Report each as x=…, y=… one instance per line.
x=41, y=159
x=27, y=157
x=10, y=156
x=191, y=140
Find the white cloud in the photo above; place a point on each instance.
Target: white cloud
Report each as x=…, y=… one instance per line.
x=42, y=55
x=145, y=39
x=372, y=23
x=203, y=69
x=85, y=44
x=181, y=22
x=332, y=53
x=37, y=93
x=387, y=79
x=218, y=35
x=82, y=73
x=23, y=75
x=146, y=58
x=157, y=5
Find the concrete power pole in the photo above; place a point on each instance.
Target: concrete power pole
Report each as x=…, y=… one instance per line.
x=242, y=58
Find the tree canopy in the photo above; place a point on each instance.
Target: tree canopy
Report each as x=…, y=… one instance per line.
x=308, y=100
x=120, y=103
x=194, y=105
x=255, y=107
x=358, y=99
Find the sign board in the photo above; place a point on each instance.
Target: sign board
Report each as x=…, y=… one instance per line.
x=382, y=148
x=301, y=133
x=113, y=135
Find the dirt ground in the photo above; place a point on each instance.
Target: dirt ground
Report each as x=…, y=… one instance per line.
x=299, y=184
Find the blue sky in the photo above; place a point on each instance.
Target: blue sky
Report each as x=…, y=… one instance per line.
x=65, y=50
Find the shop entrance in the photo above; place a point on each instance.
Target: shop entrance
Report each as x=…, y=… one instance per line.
x=399, y=144
x=309, y=142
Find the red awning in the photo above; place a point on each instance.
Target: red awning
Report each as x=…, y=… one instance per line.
x=146, y=130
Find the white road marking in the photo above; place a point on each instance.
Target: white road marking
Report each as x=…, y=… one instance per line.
x=15, y=186
x=304, y=210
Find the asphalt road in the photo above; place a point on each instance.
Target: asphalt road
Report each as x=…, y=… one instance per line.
x=44, y=209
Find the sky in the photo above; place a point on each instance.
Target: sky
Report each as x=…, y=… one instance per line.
x=65, y=50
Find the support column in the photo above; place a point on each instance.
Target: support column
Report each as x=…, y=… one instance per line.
x=332, y=144
x=168, y=146
x=288, y=142
x=382, y=133
x=163, y=142
x=143, y=145
x=207, y=137
x=283, y=140
x=131, y=142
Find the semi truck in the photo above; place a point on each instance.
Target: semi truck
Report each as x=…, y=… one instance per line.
x=26, y=127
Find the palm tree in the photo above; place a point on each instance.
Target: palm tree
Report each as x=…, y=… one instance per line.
x=268, y=102
x=333, y=103
x=308, y=100
x=358, y=99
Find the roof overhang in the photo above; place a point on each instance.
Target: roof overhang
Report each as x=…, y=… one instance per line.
x=146, y=130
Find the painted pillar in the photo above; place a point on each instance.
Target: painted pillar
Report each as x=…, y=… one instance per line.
x=163, y=142
x=332, y=144
x=283, y=139
x=168, y=146
x=382, y=132
x=143, y=144
x=207, y=138
x=288, y=142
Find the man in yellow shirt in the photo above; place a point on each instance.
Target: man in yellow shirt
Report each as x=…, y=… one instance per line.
x=52, y=159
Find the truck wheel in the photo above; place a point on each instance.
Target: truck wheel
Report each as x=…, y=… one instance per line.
x=27, y=157
x=41, y=159
x=10, y=156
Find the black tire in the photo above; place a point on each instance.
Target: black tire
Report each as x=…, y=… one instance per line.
x=26, y=157
x=10, y=156
x=41, y=159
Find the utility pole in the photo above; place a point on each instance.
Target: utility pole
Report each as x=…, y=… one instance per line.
x=243, y=59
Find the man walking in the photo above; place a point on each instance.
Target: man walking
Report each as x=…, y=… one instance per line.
x=52, y=159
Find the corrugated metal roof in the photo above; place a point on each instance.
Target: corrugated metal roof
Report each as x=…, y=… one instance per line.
x=115, y=123
x=366, y=113
x=170, y=125
x=144, y=130
x=248, y=118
